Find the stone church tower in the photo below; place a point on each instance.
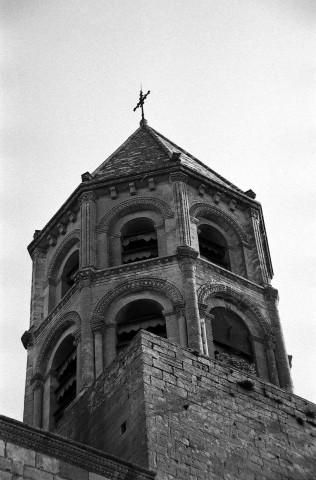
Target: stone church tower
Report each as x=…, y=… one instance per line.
x=154, y=332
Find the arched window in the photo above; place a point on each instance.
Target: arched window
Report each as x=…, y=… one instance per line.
x=146, y=314
x=213, y=246
x=64, y=367
x=69, y=271
x=139, y=240
x=231, y=336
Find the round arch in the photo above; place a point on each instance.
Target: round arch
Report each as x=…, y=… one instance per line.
x=72, y=239
x=228, y=224
x=135, y=204
x=140, y=286
x=232, y=299
x=69, y=322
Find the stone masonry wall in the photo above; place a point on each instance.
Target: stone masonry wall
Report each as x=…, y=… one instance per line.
x=191, y=418
x=110, y=415
x=208, y=421
x=27, y=453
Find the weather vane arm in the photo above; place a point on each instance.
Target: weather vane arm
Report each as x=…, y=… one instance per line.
x=140, y=104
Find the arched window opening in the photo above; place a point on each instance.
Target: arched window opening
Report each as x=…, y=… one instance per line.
x=139, y=240
x=232, y=341
x=140, y=314
x=213, y=246
x=69, y=272
x=65, y=369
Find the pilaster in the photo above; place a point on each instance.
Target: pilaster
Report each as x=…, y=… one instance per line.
x=88, y=243
x=254, y=214
x=84, y=280
x=37, y=294
x=180, y=198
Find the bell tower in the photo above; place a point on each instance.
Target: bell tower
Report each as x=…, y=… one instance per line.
x=152, y=240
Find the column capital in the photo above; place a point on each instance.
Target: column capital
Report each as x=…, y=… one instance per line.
x=77, y=337
x=254, y=213
x=37, y=381
x=270, y=341
x=84, y=277
x=179, y=309
x=87, y=197
x=38, y=253
x=178, y=177
x=202, y=308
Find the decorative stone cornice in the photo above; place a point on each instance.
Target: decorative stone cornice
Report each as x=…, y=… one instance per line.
x=271, y=294
x=71, y=452
x=28, y=338
x=87, y=197
x=178, y=177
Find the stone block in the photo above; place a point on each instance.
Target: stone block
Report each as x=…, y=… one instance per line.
x=49, y=464
x=2, y=448
x=31, y=473
x=72, y=472
x=20, y=454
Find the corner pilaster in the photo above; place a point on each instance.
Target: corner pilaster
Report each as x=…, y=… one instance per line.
x=187, y=260
x=180, y=198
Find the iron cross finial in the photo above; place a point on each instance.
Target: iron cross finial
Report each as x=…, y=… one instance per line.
x=140, y=104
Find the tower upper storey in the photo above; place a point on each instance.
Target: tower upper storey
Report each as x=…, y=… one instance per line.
x=152, y=239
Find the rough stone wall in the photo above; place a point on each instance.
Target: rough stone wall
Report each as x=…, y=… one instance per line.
x=32, y=454
x=191, y=418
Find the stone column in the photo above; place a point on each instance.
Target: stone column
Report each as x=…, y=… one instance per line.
x=84, y=279
x=115, y=250
x=37, y=386
x=172, y=326
x=103, y=249
x=256, y=228
x=202, y=312
x=183, y=334
x=109, y=343
x=88, y=243
x=37, y=293
x=282, y=362
x=98, y=349
x=270, y=348
x=77, y=343
x=208, y=317
x=180, y=198
x=187, y=258
x=161, y=240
